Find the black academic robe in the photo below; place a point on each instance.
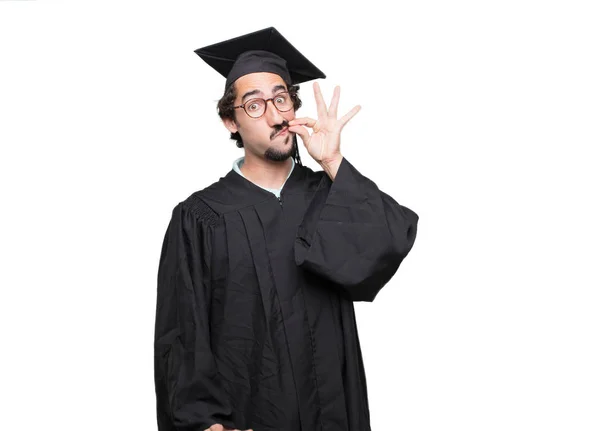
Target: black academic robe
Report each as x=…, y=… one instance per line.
x=255, y=324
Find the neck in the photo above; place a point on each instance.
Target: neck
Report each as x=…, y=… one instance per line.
x=265, y=173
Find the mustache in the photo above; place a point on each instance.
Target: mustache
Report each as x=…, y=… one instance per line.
x=279, y=128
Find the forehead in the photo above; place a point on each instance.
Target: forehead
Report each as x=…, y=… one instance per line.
x=261, y=81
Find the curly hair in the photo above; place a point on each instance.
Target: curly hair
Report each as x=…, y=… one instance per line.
x=225, y=110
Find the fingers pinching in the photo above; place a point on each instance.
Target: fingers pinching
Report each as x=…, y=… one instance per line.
x=307, y=121
x=302, y=131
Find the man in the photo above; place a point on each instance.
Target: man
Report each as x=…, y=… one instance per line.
x=255, y=325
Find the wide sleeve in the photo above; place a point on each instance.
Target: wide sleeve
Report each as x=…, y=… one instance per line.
x=353, y=234
x=187, y=382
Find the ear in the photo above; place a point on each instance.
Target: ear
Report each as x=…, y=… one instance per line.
x=230, y=125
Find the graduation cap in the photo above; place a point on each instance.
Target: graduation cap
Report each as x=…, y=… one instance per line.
x=260, y=51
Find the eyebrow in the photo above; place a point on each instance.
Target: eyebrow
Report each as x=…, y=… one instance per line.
x=273, y=90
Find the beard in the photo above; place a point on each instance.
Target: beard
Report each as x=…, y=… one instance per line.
x=276, y=155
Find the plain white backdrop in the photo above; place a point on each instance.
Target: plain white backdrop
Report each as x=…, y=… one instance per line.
x=483, y=117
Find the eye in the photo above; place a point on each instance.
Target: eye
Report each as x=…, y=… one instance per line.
x=252, y=106
x=281, y=99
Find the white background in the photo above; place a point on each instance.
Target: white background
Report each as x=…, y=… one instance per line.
x=480, y=116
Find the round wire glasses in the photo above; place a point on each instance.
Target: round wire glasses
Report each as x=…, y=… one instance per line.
x=255, y=108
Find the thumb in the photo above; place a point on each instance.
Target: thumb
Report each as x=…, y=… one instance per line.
x=302, y=131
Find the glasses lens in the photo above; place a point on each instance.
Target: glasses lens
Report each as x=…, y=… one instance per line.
x=283, y=102
x=255, y=107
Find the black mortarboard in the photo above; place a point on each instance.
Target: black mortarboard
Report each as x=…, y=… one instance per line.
x=261, y=51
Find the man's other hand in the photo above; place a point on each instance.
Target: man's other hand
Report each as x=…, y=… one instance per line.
x=219, y=427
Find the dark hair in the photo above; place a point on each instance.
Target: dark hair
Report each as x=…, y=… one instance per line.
x=225, y=110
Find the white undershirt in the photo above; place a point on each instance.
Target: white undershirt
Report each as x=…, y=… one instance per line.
x=238, y=164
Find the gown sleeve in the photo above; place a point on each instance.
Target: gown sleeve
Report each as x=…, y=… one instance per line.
x=187, y=383
x=353, y=234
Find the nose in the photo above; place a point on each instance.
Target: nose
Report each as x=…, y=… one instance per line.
x=272, y=113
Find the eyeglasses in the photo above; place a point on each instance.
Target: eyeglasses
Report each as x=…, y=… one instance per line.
x=255, y=108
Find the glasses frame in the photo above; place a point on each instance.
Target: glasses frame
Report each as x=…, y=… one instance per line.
x=243, y=105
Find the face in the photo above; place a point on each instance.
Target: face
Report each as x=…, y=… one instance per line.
x=261, y=135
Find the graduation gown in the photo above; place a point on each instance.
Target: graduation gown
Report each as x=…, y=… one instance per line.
x=255, y=324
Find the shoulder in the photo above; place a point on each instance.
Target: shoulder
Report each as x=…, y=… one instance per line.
x=199, y=209
x=195, y=209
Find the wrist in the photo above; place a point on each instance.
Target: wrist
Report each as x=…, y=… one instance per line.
x=331, y=165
